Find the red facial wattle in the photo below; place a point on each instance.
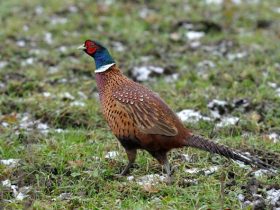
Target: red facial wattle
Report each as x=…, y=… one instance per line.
x=90, y=47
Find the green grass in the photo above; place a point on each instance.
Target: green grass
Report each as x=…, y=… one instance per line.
x=74, y=161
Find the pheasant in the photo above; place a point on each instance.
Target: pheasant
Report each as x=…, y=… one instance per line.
x=140, y=119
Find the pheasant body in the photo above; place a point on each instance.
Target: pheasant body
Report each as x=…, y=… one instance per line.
x=136, y=115
x=140, y=119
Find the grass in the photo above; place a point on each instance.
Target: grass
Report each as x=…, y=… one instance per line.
x=74, y=161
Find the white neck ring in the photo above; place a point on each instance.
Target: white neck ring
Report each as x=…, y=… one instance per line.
x=104, y=68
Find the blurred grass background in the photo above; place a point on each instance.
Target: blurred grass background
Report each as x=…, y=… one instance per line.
x=49, y=112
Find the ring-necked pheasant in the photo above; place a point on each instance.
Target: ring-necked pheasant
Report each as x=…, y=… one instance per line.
x=140, y=119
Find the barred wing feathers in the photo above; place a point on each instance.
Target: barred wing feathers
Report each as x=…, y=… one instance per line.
x=150, y=114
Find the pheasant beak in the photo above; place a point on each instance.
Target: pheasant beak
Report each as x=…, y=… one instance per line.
x=82, y=47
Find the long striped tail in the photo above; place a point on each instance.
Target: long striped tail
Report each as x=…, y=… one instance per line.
x=210, y=146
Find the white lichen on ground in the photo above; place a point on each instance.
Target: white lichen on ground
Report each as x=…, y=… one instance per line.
x=194, y=35
x=112, y=155
x=206, y=171
x=273, y=196
x=10, y=162
x=191, y=116
x=187, y=157
x=227, y=121
x=275, y=137
x=151, y=179
x=142, y=73
x=18, y=193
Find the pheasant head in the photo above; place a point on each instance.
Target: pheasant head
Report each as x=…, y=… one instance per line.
x=102, y=57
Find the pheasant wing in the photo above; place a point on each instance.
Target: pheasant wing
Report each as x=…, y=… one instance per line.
x=147, y=110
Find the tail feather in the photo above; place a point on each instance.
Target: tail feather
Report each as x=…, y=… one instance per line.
x=210, y=146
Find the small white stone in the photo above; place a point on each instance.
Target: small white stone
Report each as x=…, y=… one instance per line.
x=172, y=77
x=82, y=95
x=273, y=196
x=14, y=188
x=220, y=2
x=213, y=1
x=118, y=46
x=3, y=64
x=206, y=171
x=73, y=9
x=150, y=179
x=63, y=80
x=20, y=196
x=22, y=193
x=247, y=203
x=145, y=12
x=235, y=56
x=108, y=2
x=261, y=172
x=206, y=64
x=194, y=35
x=272, y=84
x=42, y=126
x=142, y=73
x=192, y=170
x=274, y=137
x=278, y=92
x=215, y=114
x=62, y=49
x=95, y=158
x=48, y=38
x=59, y=130
x=53, y=69
x=6, y=183
x=67, y=95
x=65, y=196
x=145, y=59
x=28, y=61
x=78, y=103
x=39, y=10
x=21, y=43
x=228, y=121
x=46, y=94
x=55, y=20
x=215, y=102
x=26, y=122
x=277, y=10
x=130, y=178
x=187, y=157
x=188, y=115
x=211, y=170
x=156, y=200
x=10, y=162
x=111, y=155
x=241, y=164
x=5, y=124
x=191, y=181
x=241, y=197
x=25, y=28
x=175, y=36
x=195, y=44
